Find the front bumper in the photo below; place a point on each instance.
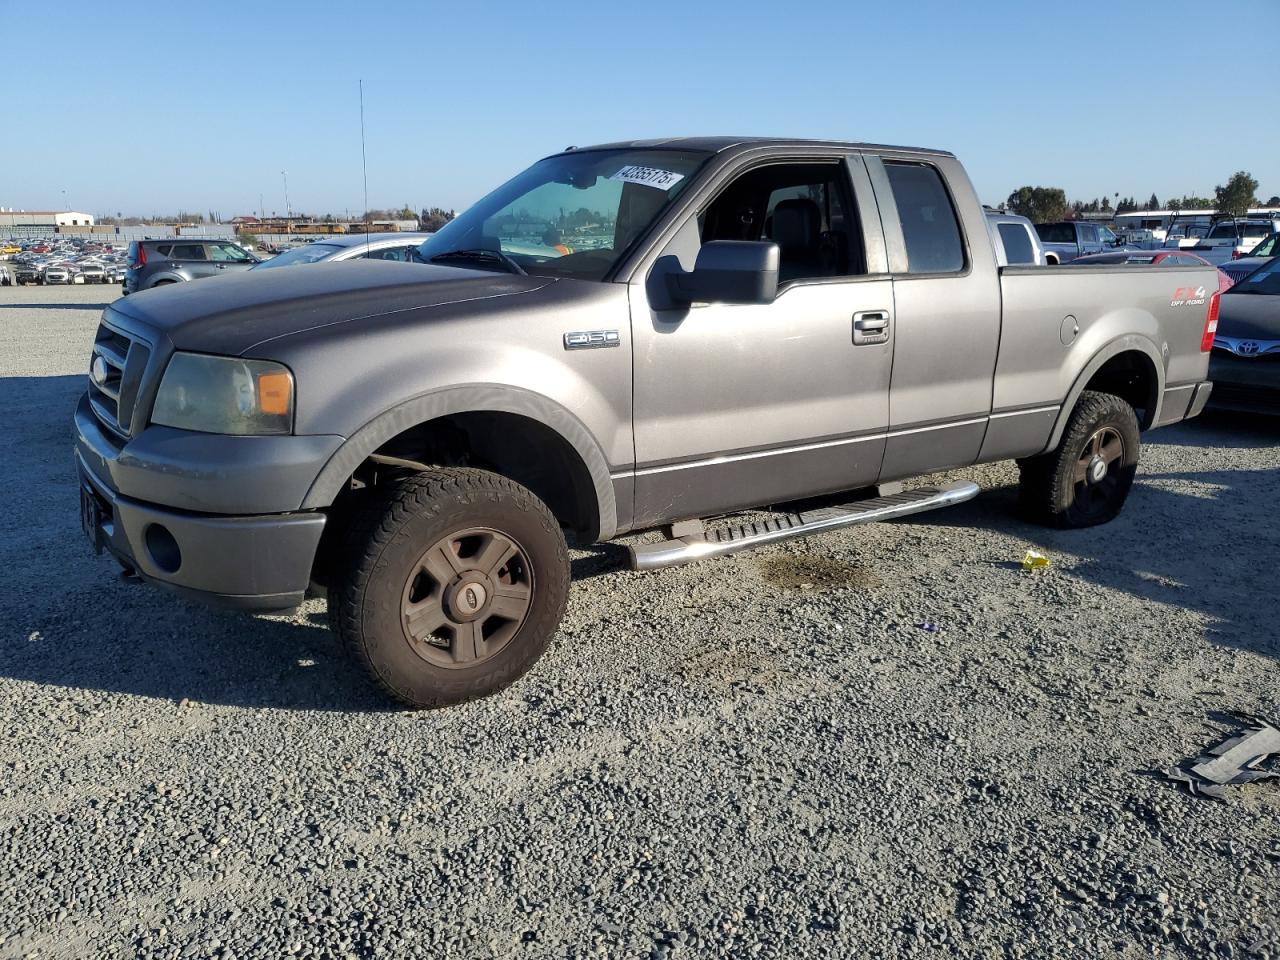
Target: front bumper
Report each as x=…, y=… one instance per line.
x=215, y=518
x=1250, y=384
x=250, y=563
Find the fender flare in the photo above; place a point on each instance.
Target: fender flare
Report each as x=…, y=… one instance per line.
x=469, y=398
x=167, y=275
x=1129, y=343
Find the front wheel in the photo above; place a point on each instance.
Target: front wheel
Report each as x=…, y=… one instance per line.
x=452, y=584
x=1086, y=480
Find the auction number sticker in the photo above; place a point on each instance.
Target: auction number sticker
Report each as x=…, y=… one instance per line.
x=648, y=177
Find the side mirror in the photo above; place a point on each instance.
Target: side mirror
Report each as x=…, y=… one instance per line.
x=729, y=271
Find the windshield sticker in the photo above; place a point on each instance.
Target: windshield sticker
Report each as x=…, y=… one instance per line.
x=648, y=177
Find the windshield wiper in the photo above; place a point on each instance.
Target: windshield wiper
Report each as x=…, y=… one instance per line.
x=491, y=256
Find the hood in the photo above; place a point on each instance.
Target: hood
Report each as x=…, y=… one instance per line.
x=229, y=315
x=1249, y=316
x=1244, y=265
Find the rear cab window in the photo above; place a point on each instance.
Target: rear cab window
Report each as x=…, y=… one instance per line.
x=1017, y=243
x=1056, y=232
x=930, y=228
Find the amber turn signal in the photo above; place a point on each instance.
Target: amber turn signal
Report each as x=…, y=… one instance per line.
x=275, y=393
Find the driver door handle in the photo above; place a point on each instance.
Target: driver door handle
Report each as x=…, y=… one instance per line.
x=870, y=327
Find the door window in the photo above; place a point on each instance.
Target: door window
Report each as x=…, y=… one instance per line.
x=399, y=254
x=805, y=208
x=929, y=225
x=188, y=251
x=228, y=253
x=1017, y=243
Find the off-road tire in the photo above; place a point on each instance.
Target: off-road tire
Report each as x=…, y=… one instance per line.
x=1050, y=487
x=384, y=545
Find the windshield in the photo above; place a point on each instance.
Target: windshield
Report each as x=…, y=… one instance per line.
x=308, y=254
x=1267, y=248
x=571, y=215
x=1265, y=281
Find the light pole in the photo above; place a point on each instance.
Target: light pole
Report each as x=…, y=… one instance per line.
x=65, y=204
x=288, y=210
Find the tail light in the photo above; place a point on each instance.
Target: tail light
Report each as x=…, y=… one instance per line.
x=141, y=260
x=1210, y=324
x=1236, y=254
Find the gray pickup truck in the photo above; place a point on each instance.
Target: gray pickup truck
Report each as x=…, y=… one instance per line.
x=638, y=336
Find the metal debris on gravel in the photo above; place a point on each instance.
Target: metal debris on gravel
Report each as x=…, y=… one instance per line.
x=1237, y=760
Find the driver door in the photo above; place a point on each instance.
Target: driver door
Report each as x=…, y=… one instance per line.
x=746, y=405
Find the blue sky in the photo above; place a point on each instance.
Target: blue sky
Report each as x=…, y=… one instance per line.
x=149, y=107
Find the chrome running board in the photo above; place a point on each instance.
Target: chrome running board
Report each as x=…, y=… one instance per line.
x=788, y=526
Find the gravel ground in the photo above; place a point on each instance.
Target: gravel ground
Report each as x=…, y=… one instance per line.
x=757, y=756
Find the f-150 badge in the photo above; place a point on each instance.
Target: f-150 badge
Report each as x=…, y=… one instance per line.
x=591, y=339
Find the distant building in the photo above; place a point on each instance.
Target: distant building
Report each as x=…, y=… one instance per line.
x=49, y=219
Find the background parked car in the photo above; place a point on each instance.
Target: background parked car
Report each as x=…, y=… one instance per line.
x=1241, y=267
x=1231, y=239
x=153, y=263
x=57, y=273
x=1066, y=240
x=92, y=273
x=1014, y=238
x=351, y=246
x=1245, y=363
x=1156, y=258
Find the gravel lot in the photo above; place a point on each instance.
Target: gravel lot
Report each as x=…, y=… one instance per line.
x=757, y=756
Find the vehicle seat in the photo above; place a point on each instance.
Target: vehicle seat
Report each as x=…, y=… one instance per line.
x=797, y=230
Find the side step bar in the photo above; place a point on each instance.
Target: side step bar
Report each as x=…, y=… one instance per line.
x=788, y=526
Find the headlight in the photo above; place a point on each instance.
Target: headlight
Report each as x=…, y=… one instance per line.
x=225, y=395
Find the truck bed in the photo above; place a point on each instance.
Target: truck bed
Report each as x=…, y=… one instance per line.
x=1059, y=323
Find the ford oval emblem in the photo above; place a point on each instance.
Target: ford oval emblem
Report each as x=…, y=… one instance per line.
x=98, y=370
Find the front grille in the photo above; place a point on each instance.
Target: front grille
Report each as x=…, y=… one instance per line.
x=115, y=373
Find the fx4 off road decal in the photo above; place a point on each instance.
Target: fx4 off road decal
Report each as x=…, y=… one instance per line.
x=1188, y=297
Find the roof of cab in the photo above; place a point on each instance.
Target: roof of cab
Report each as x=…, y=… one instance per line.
x=721, y=144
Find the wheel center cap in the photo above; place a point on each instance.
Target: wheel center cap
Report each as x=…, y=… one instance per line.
x=468, y=598
x=1097, y=470
x=471, y=597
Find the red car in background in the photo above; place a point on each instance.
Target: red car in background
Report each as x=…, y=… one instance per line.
x=1156, y=258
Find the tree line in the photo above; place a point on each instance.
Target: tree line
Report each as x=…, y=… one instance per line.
x=1047, y=204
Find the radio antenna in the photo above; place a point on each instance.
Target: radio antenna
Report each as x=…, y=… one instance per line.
x=364, y=169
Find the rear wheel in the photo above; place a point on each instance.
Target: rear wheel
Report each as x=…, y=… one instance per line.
x=451, y=586
x=1086, y=480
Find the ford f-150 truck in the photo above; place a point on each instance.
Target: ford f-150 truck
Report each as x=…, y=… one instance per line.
x=637, y=336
